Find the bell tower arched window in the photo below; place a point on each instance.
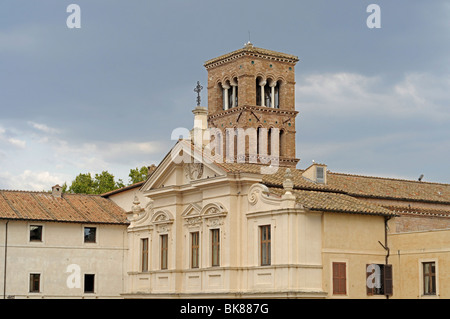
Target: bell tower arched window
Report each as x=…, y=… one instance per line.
x=267, y=93
x=229, y=94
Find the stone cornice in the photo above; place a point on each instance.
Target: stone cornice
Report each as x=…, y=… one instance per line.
x=251, y=51
x=252, y=108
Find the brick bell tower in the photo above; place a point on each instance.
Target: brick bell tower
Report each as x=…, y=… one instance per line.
x=255, y=88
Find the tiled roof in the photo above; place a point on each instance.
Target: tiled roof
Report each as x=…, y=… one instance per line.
x=344, y=192
x=419, y=211
x=354, y=185
x=20, y=205
x=334, y=202
x=378, y=187
x=119, y=190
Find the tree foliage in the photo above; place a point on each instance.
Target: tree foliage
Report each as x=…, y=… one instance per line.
x=138, y=175
x=103, y=182
x=83, y=184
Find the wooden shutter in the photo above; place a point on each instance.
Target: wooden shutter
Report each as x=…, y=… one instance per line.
x=339, y=278
x=387, y=283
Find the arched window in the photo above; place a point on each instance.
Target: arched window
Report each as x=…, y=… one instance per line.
x=277, y=95
x=260, y=91
x=234, y=93
x=226, y=95
x=267, y=96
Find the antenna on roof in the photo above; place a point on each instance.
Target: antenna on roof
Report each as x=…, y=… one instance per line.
x=420, y=177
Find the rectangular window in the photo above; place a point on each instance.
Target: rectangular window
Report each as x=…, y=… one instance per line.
x=320, y=174
x=164, y=251
x=339, y=278
x=35, y=282
x=379, y=279
x=215, y=247
x=429, y=278
x=144, y=254
x=89, y=281
x=35, y=233
x=90, y=234
x=195, y=249
x=265, y=245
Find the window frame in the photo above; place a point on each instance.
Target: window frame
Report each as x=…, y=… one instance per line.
x=33, y=281
x=42, y=233
x=265, y=246
x=164, y=251
x=215, y=247
x=93, y=284
x=195, y=249
x=341, y=288
x=95, y=241
x=145, y=254
x=386, y=280
x=432, y=275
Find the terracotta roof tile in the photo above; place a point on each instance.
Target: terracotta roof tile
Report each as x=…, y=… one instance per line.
x=422, y=211
x=379, y=187
x=122, y=189
x=355, y=185
x=334, y=202
x=42, y=206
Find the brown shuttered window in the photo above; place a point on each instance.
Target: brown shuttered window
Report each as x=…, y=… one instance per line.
x=388, y=285
x=339, y=278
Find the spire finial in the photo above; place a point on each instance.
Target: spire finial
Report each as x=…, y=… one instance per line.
x=197, y=90
x=288, y=184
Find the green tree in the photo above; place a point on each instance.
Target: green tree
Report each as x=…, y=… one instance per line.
x=104, y=183
x=82, y=184
x=138, y=175
x=101, y=183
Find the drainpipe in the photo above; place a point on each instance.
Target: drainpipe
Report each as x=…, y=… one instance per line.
x=6, y=254
x=385, y=246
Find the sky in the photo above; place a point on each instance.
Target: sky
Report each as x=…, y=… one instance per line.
x=107, y=96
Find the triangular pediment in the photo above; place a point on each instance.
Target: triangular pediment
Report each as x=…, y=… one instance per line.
x=191, y=211
x=179, y=170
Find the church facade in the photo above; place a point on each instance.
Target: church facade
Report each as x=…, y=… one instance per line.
x=226, y=214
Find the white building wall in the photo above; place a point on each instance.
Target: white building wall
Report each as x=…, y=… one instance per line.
x=62, y=245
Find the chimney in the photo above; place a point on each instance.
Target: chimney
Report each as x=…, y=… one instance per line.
x=151, y=169
x=56, y=191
